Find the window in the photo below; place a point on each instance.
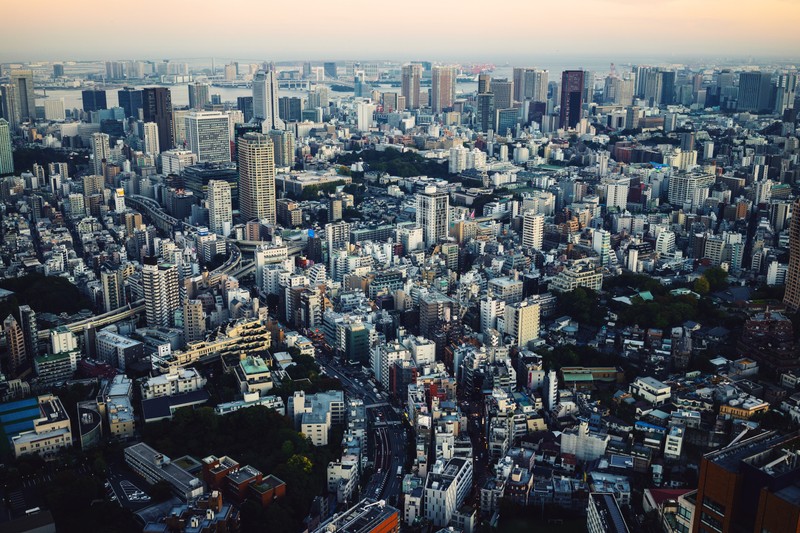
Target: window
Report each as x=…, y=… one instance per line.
x=717, y=507
x=710, y=521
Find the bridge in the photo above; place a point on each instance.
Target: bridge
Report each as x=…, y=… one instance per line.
x=132, y=309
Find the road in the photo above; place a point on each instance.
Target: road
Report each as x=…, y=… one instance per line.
x=388, y=437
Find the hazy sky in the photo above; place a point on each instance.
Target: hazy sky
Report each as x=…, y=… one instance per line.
x=464, y=30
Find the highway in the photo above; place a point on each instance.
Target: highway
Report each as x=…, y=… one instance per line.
x=387, y=438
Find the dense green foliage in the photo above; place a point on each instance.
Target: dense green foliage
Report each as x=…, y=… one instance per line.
x=261, y=438
x=45, y=294
x=582, y=305
x=395, y=163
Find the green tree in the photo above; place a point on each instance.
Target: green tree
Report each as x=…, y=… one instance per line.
x=701, y=285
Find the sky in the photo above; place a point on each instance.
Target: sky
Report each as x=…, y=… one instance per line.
x=437, y=30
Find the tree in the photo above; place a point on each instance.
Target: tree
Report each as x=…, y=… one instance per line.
x=717, y=278
x=701, y=285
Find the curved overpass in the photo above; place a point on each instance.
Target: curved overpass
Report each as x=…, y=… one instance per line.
x=99, y=321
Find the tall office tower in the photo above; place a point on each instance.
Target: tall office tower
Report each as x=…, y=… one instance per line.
x=130, y=100
x=792, y=296
x=337, y=237
x=22, y=80
x=571, y=98
x=318, y=98
x=433, y=214
x=207, y=133
x=522, y=321
x=100, y=153
x=443, y=88
x=265, y=100
x=390, y=102
x=94, y=100
x=157, y=107
x=653, y=88
x=755, y=89
x=257, y=177
x=409, y=85
x=220, y=214
x=150, y=142
x=667, y=87
x=194, y=321
x=245, y=105
x=485, y=112
x=518, y=77
x=6, y=153
x=329, y=67
x=30, y=330
x=199, y=95
x=290, y=108
x=785, y=92
x=533, y=229
x=484, y=83
x=58, y=70
x=160, y=286
x=503, y=93
x=9, y=105
x=283, y=144
x=365, y=113
x=59, y=167
x=15, y=339
x=113, y=284
x=536, y=83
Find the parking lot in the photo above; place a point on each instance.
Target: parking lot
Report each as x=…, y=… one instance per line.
x=121, y=488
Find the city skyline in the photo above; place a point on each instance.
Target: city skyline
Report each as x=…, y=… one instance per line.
x=606, y=27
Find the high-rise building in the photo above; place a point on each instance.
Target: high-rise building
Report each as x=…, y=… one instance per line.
x=194, y=321
x=207, y=133
x=245, y=105
x=9, y=105
x=485, y=105
x=58, y=70
x=113, y=287
x=54, y=109
x=220, y=215
x=15, y=339
x=157, y=107
x=536, y=83
x=30, y=330
x=433, y=214
x=150, y=141
x=503, y=93
x=22, y=80
x=265, y=100
x=290, y=108
x=256, y=155
x=533, y=229
x=199, y=95
x=6, y=153
x=443, y=88
x=100, y=153
x=130, y=100
x=791, y=298
x=571, y=98
x=330, y=70
x=283, y=143
x=94, y=100
x=755, y=90
x=484, y=83
x=160, y=287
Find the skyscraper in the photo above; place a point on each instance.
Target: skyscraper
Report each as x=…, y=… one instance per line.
x=484, y=83
x=522, y=321
x=113, y=287
x=755, y=89
x=198, y=95
x=503, y=93
x=6, y=154
x=130, y=100
x=100, y=152
x=792, y=295
x=433, y=214
x=257, y=177
x=443, y=88
x=265, y=100
x=409, y=86
x=23, y=83
x=94, y=100
x=220, y=214
x=485, y=112
x=15, y=338
x=157, y=107
x=245, y=105
x=571, y=97
x=207, y=133
x=150, y=138
x=160, y=286
x=9, y=104
x=283, y=143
